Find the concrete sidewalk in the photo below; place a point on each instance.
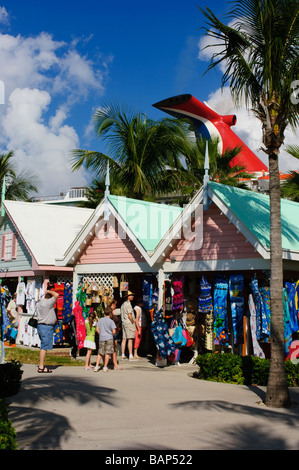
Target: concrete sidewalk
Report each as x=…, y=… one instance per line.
x=144, y=407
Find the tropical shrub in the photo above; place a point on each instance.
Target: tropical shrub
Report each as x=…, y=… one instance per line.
x=7, y=432
x=246, y=370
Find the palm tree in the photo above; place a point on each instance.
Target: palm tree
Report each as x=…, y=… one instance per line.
x=260, y=53
x=95, y=191
x=17, y=186
x=290, y=187
x=142, y=152
x=220, y=167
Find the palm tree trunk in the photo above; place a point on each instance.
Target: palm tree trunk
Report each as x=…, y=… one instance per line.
x=277, y=390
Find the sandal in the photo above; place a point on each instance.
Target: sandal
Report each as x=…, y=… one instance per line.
x=118, y=367
x=44, y=370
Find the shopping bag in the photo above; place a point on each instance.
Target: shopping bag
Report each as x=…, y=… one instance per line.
x=189, y=340
x=32, y=322
x=178, y=337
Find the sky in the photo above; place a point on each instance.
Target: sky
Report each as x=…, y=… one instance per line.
x=61, y=60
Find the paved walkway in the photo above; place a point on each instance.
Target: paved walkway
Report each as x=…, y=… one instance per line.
x=144, y=407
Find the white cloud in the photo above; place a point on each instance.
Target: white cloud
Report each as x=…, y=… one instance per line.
x=25, y=61
x=40, y=146
x=43, y=80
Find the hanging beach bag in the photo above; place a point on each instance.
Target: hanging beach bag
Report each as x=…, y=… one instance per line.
x=178, y=337
x=115, y=282
x=96, y=299
x=189, y=340
x=124, y=284
x=172, y=328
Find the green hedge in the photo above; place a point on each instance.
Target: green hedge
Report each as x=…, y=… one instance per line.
x=247, y=370
x=7, y=432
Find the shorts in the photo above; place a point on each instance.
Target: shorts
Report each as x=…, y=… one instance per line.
x=46, y=335
x=129, y=330
x=106, y=347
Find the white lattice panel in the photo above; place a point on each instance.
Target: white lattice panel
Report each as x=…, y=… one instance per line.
x=65, y=279
x=37, y=279
x=105, y=280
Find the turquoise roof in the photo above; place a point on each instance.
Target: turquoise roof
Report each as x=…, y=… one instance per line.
x=148, y=221
x=253, y=210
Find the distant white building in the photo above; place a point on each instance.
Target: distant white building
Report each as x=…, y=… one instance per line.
x=70, y=198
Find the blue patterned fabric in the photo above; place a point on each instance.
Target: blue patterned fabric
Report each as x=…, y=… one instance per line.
x=147, y=292
x=58, y=333
x=266, y=329
x=163, y=341
x=237, y=306
x=291, y=289
x=286, y=322
x=205, y=301
x=262, y=329
x=220, y=311
x=4, y=318
x=67, y=303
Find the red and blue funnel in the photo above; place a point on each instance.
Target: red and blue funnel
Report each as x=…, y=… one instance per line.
x=209, y=124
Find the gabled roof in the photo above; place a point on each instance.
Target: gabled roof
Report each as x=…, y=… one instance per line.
x=145, y=223
x=55, y=235
x=250, y=212
x=47, y=230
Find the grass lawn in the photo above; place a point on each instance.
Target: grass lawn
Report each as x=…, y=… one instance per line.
x=29, y=356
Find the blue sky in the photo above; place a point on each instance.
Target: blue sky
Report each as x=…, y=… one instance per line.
x=60, y=60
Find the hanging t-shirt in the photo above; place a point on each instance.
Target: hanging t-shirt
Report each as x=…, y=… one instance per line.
x=21, y=289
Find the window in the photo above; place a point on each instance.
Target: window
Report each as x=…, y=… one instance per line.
x=9, y=246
